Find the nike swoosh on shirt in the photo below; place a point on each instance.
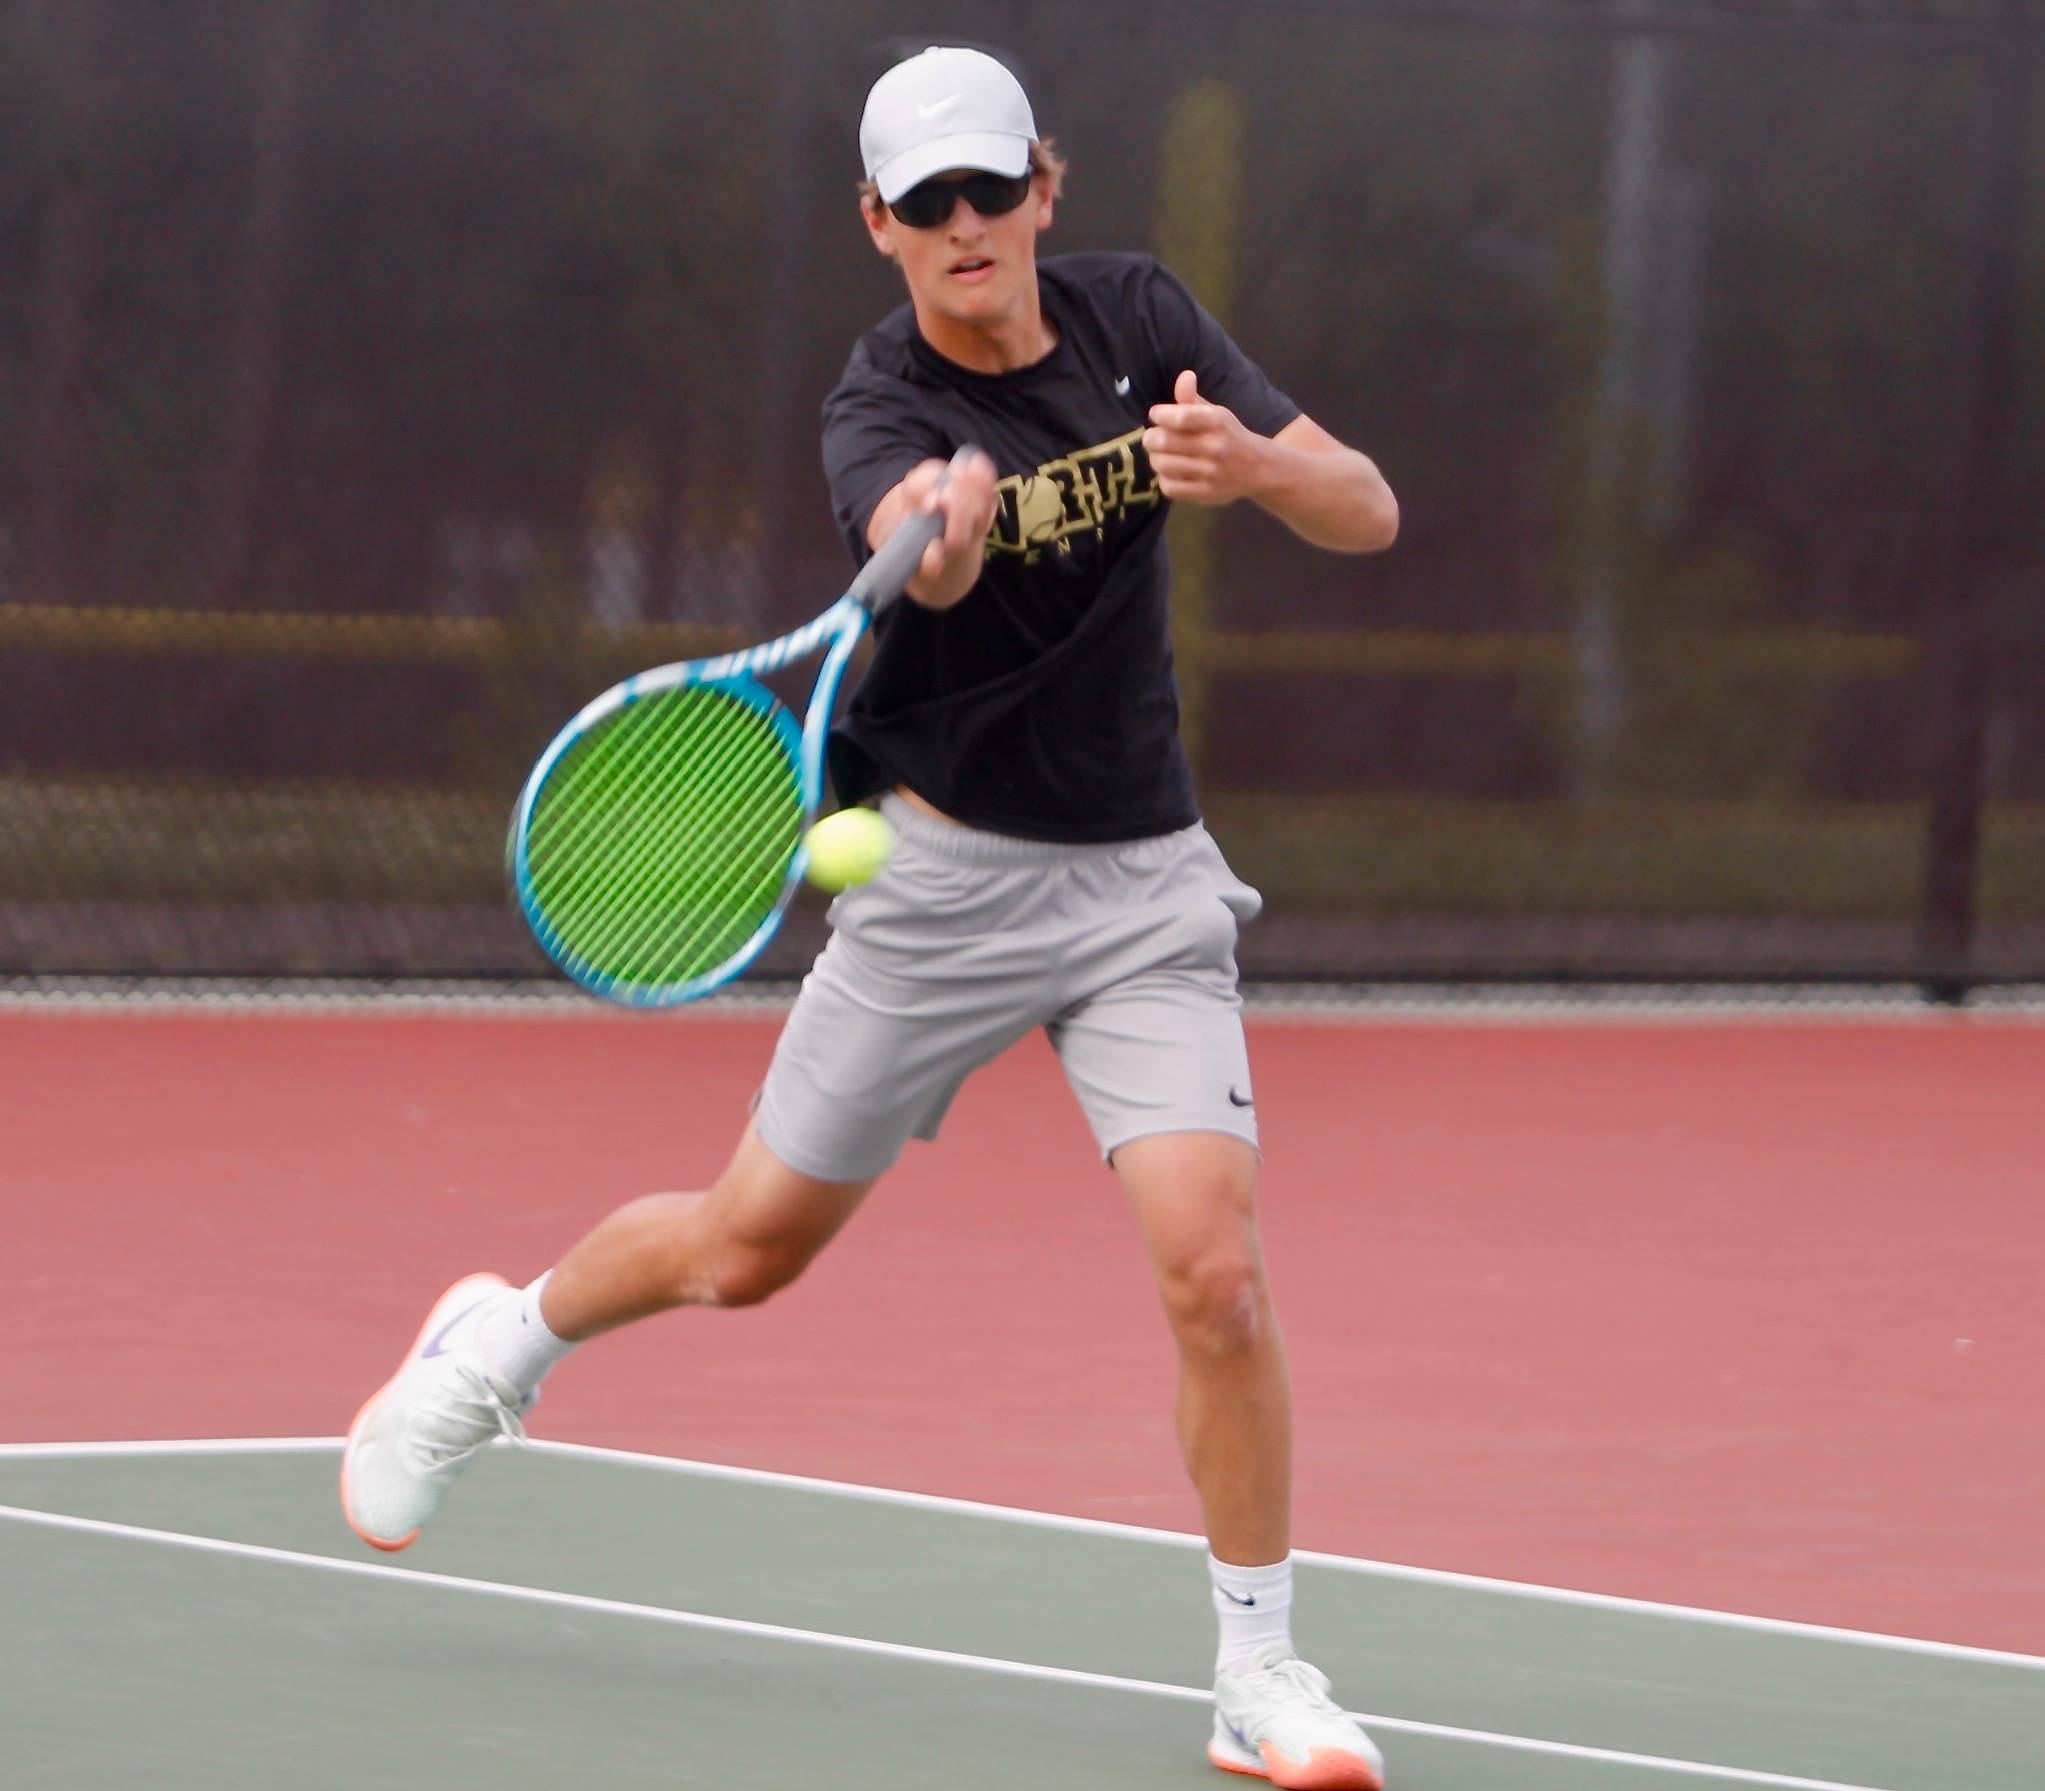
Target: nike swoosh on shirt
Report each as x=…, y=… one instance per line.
x=937, y=108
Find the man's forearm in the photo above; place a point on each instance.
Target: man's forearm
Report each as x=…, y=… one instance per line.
x=958, y=572
x=1335, y=498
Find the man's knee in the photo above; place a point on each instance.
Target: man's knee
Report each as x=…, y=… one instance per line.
x=743, y=1273
x=1215, y=1298
x=764, y=1224
x=1197, y=1196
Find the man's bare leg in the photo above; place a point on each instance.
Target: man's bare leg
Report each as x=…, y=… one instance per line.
x=1274, y=1716
x=749, y=1234
x=1195, y=1195
x=477, y=1364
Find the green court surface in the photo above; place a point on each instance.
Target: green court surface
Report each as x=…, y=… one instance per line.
x=196, y=1615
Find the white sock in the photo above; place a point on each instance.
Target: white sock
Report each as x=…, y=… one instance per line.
x=513, y=1339
x=1255, y=1608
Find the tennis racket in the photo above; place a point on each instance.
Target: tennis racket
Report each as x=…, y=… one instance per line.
x=659, y=838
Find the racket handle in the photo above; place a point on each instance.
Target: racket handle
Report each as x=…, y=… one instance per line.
x=882, y=579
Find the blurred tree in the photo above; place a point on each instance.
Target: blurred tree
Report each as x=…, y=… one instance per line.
x=285, y=42
x=59, y=43
x=678, y=218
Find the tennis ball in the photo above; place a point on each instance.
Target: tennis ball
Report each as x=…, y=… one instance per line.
x=848, y=847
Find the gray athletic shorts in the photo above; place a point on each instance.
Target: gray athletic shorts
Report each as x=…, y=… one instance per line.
x=1123, y=953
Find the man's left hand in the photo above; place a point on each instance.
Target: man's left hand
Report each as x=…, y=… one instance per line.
x=1201, y=451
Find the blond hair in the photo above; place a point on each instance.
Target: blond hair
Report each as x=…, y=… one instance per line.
x=1044, y=160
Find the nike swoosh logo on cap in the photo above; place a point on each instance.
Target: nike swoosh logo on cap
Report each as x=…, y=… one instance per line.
x=937, y=108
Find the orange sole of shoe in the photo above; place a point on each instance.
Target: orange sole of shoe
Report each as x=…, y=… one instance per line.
x=1325, y=1769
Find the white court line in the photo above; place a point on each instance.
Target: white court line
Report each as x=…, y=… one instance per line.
x=1431, y=1576
x=1093, y=1526
x=1342, y=1004
x=171, y=1446
x=816, y=1638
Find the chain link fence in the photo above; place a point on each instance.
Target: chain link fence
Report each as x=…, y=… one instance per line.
x=380, y=381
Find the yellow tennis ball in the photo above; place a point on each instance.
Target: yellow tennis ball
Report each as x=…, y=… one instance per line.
x=849, y=847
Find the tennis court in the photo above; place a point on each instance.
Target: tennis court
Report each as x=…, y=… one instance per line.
x=699, y=1625
x=1746, y=1397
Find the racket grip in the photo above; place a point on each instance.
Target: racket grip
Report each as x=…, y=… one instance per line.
x=882, y=579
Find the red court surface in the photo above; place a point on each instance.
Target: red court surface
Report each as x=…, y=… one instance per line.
x=1740, y=1315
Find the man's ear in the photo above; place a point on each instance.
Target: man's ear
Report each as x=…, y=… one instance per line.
x=871, y=212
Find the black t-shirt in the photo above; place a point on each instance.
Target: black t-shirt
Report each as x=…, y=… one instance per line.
x=1043, y=704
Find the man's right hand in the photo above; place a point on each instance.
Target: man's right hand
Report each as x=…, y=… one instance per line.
x=951, y=564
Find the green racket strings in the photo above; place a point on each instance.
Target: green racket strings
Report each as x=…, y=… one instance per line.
x=661, y=842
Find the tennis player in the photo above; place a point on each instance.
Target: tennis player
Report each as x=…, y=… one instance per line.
x=1018, y=726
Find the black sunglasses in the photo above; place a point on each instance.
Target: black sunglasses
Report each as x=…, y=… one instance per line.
x=929, y=203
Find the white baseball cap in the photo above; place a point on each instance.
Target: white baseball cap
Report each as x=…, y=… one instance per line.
x=946, y=108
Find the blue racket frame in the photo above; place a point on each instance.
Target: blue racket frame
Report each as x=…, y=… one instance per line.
x=878, y=584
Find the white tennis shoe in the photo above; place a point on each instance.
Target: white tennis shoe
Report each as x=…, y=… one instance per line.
x=1275, y=1720
x=424, y=1425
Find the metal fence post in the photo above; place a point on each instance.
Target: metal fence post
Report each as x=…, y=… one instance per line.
x=1962, y=659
